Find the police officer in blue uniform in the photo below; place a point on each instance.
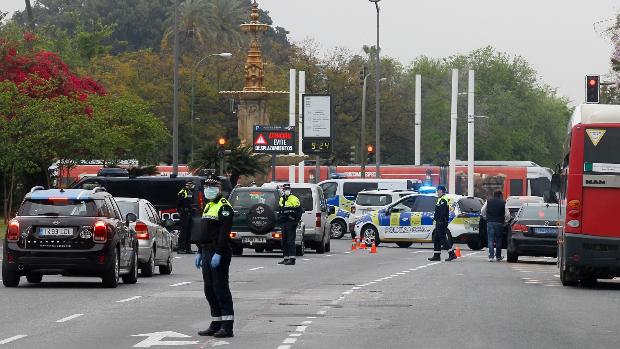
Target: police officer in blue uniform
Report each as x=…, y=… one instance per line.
x=214, y=257
x=440, y=233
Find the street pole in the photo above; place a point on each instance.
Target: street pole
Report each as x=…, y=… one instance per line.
x=378, y=100
x=418, y=117
x=292, y=86
x=363, y=132
x=453, y=121
x=302, y=90
x=175, y=106
x=317, y=170
x=470, y=134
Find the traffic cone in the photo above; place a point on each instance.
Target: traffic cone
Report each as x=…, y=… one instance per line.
x=458, y=252
x=363, y=245
x=357, y=242
x=353, y=245
x=373, y=248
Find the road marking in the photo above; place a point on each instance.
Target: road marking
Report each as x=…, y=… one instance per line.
x=295, y=335
x=306, y=259
x=328, y=255
x=347, y=292
x=257, y=268
x=306, y=322
x=310, y=317
x=420, y=251
x=289, y=341
x=178, y=257
x=284, y=347
x=155, y=338
x=128, y=299
x=356, y=288
x=181, y=284
x=218, y=343
x=321, y=312
x=347, y=252
x=301, y=328
x=12, y=339
x=68, y=318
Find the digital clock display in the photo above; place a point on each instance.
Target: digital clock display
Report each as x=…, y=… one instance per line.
x=317, y=146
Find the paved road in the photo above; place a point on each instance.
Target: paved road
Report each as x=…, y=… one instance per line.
x=394, y=299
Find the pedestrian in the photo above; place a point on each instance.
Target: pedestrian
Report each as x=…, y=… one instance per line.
x=440, y=233
x=186, y=209
x=496, y=214
x=214, y=256
x=289, y=216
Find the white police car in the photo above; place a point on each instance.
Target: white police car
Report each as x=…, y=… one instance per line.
x=372, y=200
x=410, y=220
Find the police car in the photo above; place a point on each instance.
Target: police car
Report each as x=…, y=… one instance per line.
x=410, y=220
x=372, y=200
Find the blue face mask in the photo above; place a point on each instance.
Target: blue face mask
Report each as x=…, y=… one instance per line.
x=211, y=192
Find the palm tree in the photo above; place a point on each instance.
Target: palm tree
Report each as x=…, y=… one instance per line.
x=240, y=162
x=30, y=16
x=193, y=21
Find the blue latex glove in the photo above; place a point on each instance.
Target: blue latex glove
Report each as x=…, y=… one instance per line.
x=215, y=261
x=198, y=260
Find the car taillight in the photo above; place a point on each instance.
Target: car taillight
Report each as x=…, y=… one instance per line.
x=276, y=235
x=142, y=231
x=574, y=212
x=100, y=232
x=318, y=220
x=519, y=227
x=13, y=231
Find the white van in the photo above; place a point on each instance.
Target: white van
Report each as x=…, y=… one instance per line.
x=316, y=235
x=341, y=193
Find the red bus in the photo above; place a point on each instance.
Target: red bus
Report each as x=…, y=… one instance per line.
x=588, y=184
x=78, y=172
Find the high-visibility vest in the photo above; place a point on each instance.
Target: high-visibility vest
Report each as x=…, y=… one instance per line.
x=291, y=201
x=212, y=209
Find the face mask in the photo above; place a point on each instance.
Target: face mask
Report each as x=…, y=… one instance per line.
x=211, y=192
x=287, y=192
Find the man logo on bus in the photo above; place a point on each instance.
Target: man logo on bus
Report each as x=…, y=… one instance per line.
x=595, y=135
x=595, y=181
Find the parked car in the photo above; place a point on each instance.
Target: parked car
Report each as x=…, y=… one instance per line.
x=154, y=239
x=373, y=200
x=534, y=231
x=255, y=224
x=72, y=233
x=316, y=234
x=514, y=203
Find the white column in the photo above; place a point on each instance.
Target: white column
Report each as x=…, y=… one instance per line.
x=418, y=117
x=453, y=116
x=302, y=90
x=292, y=90
x=470, y=134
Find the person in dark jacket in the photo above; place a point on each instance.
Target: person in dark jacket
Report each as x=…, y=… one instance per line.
x=496, y=214
x=214, y=256
x=440, y=233
x=186, y=210
x=289, y=216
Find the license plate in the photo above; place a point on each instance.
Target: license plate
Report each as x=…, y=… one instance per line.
x=545, y=230
x=254, y=240
x=43, y=232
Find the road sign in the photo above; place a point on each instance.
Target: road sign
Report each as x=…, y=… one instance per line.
x=317, y=124
x=155, y=339
x=274, y=139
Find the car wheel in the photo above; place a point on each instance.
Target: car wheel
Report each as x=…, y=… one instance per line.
x=132, y=277
x=474, y=244
x=370, y=234
x=237, y=250
x=300, y=250
x=320, y=246
x=404, y=244
x=34, y=278
x=567, y=278
x=9, y=278
x=148, y=268
x=167, y=268
x=328, y=246
x=111, y=275
x=511, y=257
x=337, y=229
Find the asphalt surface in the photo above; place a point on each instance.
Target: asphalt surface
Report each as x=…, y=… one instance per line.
x=393, y=299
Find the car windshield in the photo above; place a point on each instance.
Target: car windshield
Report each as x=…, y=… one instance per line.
x=305, y=196
x=249, y=198
x=470, y=205
x=373, y=199
x=549, y=212
x=518, y=201
x=128, y=207
x=58, y=207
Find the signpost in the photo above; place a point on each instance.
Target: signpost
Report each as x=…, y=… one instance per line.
x=317, y=127
x=274, y=140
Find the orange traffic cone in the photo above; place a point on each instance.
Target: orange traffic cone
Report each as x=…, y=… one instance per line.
x=353, y=245
x=363, y=245
x=458, y=252
x=373, y=248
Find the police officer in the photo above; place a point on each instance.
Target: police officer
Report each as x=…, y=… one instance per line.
x=214, y=257
x=440, y=234
x=186, y=209
x=290, y=214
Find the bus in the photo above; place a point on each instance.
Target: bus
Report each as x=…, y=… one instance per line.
x=588, y=186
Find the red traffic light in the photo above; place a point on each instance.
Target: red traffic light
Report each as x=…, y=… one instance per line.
x=592, y=82
x=370, y=148
x=221, y=141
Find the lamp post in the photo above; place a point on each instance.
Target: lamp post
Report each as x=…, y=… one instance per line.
x=378, y=97
x=194, y=70
x=175, y=103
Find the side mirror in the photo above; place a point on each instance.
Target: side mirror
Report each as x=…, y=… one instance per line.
x=331, y=210
x=556, y=182
x=130, y=218
x=168, y=223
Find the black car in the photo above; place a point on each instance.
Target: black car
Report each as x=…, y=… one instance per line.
x=70, y=233
x=534, y=231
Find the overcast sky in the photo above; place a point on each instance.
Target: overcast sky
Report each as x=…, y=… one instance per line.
x=556, y=36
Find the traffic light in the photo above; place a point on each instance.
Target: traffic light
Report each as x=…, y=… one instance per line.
x=593, y=88
x=353, y=154
x=370, y=153
x=221, y=142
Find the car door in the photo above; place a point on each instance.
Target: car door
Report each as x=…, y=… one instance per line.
x=424, y=208
x=397, y=221
x=160, y=232
x=323, y=210
x=121, y=231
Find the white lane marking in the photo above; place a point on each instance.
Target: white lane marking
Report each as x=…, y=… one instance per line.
x=347, y=252
x=129, y=299
x=347, y=292
x=257, y=268
x=421, y=252
x=181, y=284
x=156, y=338
x=306, y=259
x=295, y=335
x=306, y=322
x=218, y=343
x=557, y=276
x=289, y=341
x=68, y=318
x=12, y=339
x=377, y=280
x=284, y=347
x=177, y=257
x=301, y=328
x=310, y=317
x=372, y=282
x=328, y=255
x=401, y=273
x=321, y=312
x=356, y=288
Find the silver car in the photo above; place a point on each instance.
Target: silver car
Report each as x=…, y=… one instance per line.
x=154, y=240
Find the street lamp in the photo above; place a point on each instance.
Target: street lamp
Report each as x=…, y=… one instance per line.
x=378, y=97
x=222, y=55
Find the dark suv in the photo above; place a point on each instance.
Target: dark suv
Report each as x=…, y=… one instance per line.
x=72, y=233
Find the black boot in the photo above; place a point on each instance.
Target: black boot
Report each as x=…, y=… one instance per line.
x=213, y=328
x=435, y=257
x=290, y=261
x=284, y=261
x=451, y=256
x=225, y=331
